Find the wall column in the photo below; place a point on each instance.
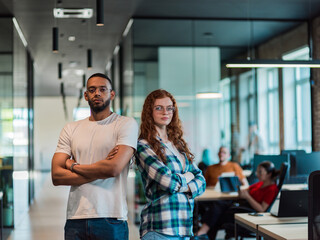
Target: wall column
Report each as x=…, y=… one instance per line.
x=315, y=86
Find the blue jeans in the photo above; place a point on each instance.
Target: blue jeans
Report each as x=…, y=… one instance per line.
x=96, y=229
x=160, y=236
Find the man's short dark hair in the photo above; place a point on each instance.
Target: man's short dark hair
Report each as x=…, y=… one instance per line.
x=102, y=76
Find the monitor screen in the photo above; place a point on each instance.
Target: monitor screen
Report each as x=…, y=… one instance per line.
x=307, y=163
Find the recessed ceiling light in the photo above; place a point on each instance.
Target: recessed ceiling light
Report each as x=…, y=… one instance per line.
x=72, y=13
x=71, y=38
x=73, y=63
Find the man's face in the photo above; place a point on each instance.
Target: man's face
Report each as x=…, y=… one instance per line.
x=223, y=154
x=99, y=94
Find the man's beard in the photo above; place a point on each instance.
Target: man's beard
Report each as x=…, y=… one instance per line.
x=97, y=109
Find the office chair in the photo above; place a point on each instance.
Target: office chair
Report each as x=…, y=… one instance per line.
x=277, y=160
x=244, y=233
x=314, y=206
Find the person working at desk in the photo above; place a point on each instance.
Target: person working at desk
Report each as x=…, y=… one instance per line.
x=257, y=198
x=210, y=212
x=213, y=172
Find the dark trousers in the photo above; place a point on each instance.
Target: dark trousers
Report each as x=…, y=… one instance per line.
x=216, y=214
x=96, y=229
x=211, y=214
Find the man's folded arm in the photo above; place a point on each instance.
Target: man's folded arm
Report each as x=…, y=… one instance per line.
x=106, y=168
x=62, y=176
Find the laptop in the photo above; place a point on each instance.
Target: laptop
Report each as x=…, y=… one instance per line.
x=292, y=203
x=229, y=184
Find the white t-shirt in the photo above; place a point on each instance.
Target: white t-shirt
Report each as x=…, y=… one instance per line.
x=88, y=142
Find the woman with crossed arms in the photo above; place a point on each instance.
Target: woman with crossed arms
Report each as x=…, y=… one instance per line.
x=171, y=180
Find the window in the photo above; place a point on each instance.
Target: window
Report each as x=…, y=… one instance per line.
x=297, y=102
x=273, y=111
x=247, y=110
x=225, y=118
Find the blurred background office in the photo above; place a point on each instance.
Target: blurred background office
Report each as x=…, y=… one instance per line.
x=47, y=50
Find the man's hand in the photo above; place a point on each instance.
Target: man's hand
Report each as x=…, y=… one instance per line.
x=61, y=175
x=69, y=163
x=112, y=153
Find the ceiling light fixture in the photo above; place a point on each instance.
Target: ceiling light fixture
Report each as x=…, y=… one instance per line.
x=209, y=95
x=260, y=63
x=55, y=39
x=72, y=13
x=71, y=38
x=17, y=27
x=62, y=89
x=60, y=70
x=100, y=13
x=128, y=27
x=108, y=66
x=116, y=50
x=89, y=58
x=83, y=80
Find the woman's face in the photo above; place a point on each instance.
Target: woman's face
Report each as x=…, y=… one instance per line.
x=162, y=112
x=262, y=174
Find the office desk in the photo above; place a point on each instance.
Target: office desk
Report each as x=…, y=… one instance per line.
x=297, y=231
x=211, y=194
x=295, y=186
x=252, y=223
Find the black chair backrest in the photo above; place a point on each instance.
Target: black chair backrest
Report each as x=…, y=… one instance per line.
x=277, y=160
x=283, y=173
x=314, y=206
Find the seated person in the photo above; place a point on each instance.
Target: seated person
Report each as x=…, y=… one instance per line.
x=257, y=198
x=213, y=172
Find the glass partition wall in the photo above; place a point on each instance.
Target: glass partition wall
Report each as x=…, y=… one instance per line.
x=16, y=123
x=187, y=57
x=6, y=119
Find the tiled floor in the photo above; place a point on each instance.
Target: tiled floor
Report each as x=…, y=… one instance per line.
x=46, y=217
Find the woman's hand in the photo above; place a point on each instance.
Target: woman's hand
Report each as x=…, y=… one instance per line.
x=112, y=153
x=243, y=193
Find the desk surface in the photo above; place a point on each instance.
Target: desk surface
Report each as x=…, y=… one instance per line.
x=211, y=194
x=295, y=186
x=267, y=218
x=285, y=231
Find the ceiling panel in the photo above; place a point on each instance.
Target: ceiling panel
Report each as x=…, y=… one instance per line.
x=36, y=20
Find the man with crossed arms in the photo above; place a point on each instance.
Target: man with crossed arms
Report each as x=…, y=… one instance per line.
x=93, y=158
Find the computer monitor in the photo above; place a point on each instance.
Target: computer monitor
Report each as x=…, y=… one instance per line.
x=307, y=163
x=314, y=206
x=292, y=154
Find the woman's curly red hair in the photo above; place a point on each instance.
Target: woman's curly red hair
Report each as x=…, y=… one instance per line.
x=174, y=129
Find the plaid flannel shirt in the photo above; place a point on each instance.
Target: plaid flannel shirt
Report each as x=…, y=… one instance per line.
x=169, y=208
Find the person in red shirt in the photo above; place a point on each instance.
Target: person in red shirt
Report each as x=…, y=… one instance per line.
x=261, y=194
x=257, y=198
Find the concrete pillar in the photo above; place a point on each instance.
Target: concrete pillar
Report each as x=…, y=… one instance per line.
x=315, y=86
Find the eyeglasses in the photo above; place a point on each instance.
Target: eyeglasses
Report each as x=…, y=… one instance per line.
x=169, y=109
x=101, y=89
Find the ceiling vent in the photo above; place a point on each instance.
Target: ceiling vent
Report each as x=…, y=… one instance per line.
x=72, y=13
